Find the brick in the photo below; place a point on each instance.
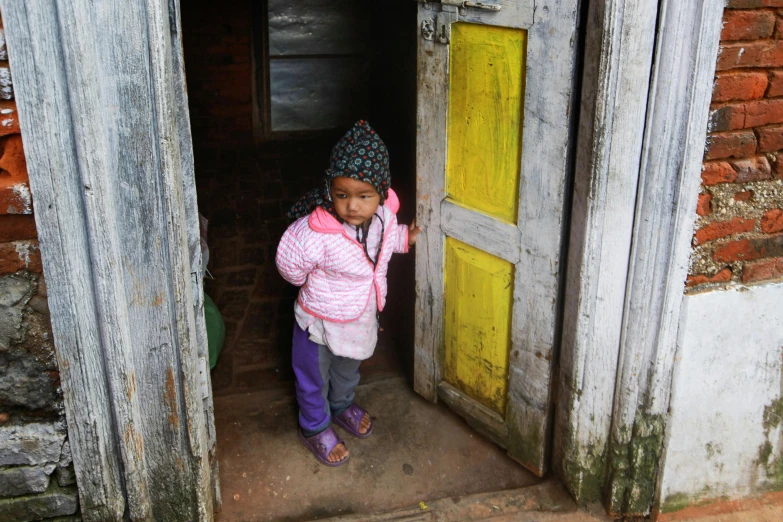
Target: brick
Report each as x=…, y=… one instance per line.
x=704, y=206
x=761, y=53
x=749, y=249
x=20, y=255
x=762, y=270
x=744, y=115
x=14, y=227
x=724, y=276
x=738, y=144
x=772, y=3
x=734, y=85
x=743, y=196
x=775, y=84
x=714, y=172
x=747, y=25
x=772, y=221
x=743, y=4
x=752, y=169
x=770, y=139
x=9, y=121
x=723, y=229
x=15, y=195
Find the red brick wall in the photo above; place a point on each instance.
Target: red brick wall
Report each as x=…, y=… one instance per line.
x=18, y=239
x=739, y=230
x=218, y=61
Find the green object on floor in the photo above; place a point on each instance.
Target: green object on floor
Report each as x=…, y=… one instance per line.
x=216, y=330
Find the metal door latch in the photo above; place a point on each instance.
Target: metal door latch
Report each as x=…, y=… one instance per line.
x=464, y=4
x=476, y=5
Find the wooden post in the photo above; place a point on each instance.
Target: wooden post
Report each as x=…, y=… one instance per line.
x=103, y=110
x=618, y=58
x=680, y=93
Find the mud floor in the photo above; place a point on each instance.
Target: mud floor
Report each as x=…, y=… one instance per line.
x=418, y=452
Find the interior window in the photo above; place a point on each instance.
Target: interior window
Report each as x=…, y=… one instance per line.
x=314, y=64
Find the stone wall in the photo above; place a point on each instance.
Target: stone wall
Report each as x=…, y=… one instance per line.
x=36, y=472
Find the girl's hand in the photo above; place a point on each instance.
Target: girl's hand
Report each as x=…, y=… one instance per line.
x=413, y=232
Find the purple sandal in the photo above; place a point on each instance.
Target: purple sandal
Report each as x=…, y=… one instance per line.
x=350, y=419
x=322, y=444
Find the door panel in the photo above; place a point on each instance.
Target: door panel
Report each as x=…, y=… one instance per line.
x=478, y=296
x=485, y=116
x=494, y=96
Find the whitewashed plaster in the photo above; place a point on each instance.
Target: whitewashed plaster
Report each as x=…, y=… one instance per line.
x=727, y=371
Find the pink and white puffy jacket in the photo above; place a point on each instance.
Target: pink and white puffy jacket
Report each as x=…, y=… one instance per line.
x=336, y=277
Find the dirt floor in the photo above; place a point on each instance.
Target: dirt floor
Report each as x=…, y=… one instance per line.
x=423, y=463
x=418, y=452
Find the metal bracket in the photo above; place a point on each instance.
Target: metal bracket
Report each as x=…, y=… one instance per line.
x=476, y=5
x=447, y=16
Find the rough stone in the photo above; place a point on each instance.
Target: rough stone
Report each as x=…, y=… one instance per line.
x=66, y=476
x=13, y=291
x=23, y=480
x=55, y=502
x=33, y=444
x=65, y=472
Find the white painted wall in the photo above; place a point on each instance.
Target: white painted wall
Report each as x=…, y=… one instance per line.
x=727, y=369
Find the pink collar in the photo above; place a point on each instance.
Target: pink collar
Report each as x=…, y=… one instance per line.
x=322, y=221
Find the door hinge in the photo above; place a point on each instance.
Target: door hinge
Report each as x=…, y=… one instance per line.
x=464, y=4
x=438, y=28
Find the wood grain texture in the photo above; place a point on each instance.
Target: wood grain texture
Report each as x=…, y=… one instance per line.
x=431, y=103
x=618, y=50
x=680, y=92
x=486, y=421
x=477, y=323
x=129, y=165
x=32, y=32
x=545, y=166
x=486, y=88
x=481, y=231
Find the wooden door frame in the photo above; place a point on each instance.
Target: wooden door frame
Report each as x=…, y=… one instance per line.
x=638, y=300
x=646, y=91
x=74, y=163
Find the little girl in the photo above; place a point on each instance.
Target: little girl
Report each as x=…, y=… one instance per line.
x=338, y=251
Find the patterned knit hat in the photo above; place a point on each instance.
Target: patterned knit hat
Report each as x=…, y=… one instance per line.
x=360, y=155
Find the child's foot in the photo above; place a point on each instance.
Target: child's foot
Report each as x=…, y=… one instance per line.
x=326, y=447
x=365, y=424
x=355, y=421
x=340, y=452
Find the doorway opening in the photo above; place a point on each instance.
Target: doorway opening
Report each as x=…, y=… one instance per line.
x=272, y=85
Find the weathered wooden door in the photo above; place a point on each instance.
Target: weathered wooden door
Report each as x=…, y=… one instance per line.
x=495, y=83
x=100, y=89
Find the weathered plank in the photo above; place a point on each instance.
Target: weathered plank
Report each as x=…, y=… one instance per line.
x=481, y=231
x=129, y=165
x=32, y=35
x=618, y=58
x=432, y=71
x=545, y=165
x=489, y=423
x=680, y=93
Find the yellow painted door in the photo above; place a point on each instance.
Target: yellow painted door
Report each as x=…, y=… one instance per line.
x=494, y=89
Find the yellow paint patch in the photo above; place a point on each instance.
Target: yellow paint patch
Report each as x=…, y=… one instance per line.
x=477, y=323
x=486, y=97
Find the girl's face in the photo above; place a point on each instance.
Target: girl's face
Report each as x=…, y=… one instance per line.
x=355, y=201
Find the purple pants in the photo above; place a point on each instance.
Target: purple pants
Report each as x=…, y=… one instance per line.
x=325, y=382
